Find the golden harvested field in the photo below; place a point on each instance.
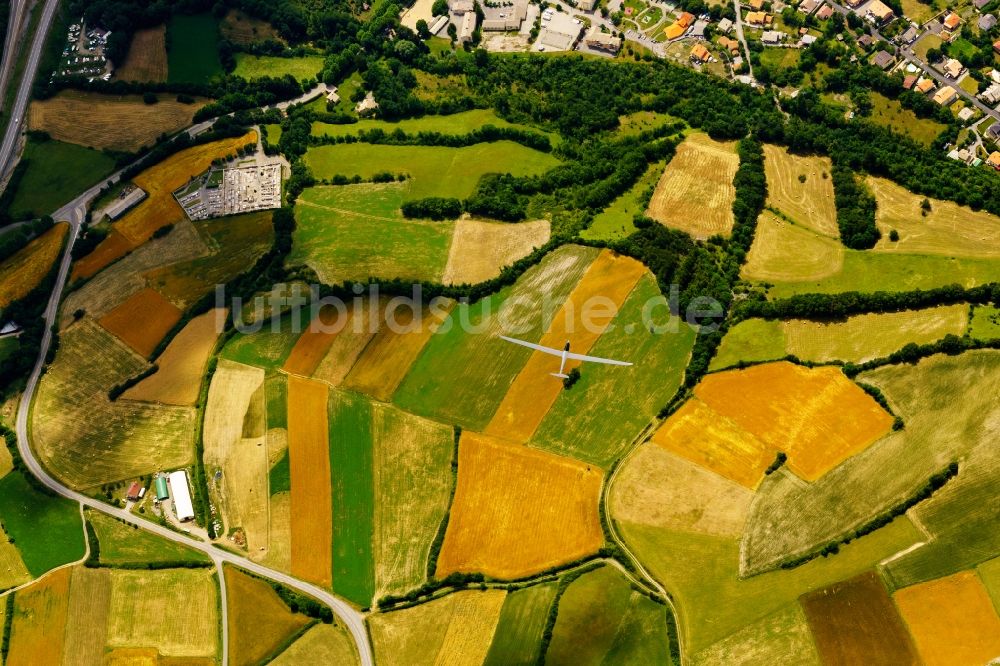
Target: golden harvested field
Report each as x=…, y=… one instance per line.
x=591, y=306
x=87, y=619
x=480, y=249
x=40, y=614
x=809, y=203
x=864, y=337
x=780, y=638
x=241, y=28
x=172, y=610
x=783, y=252
x=703, y=436
x=948, y=229
x=411, y=465
x=159, y=208
x=142, y=321
x=322, y=644
x=235, y=445
x=952, y=620
x=660, y=489
x=259, y=621
x=86, y=440
x=182, y=363
x=279, y=548
x=109, y=122
x=696, y=193
x=147, y=56
x=388, y=356
x=454, y=630
x=23, y=271
x=518, y=510
x=347, y=345
x=109, y=288
x=12, y=569
x=309, y=458
x=854, y=622
x=817, y=416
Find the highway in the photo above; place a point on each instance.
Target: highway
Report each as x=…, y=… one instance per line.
x=11, y=42
x=11, y=138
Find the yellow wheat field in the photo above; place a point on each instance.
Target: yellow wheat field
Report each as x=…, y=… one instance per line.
x=171, y=610
x=952, y=620
x=696, y=193
x=13, y=572
x=660, y=489
x=142, y=321
x=147, y=56
x=816, y=415
x=259, y=621
x=322, y=644
x=347, y=344
x=389, y=354
x=182, y=363
x=809, y=203
x=518, y=510
x=455, y=630
x=22, y=272
x=947, y=229
x=700, y=434
x=109, y=122
x=607, y=283
x=40, y=613
x=309, y=459
x=480, y=249
x=783, y=252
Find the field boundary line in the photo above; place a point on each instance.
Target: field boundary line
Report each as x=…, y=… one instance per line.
x=344, y=211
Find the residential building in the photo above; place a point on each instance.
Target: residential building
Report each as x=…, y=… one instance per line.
x=996, y=46
x=602, y=40
x=878, y=12
x=909, y=82
x=947, y=36
x=759, y=19
x=994, y=160
x=181, y=494
x=883, y=60
x=368, y=104
x=952, y=21
x=700, y=54
x=685, y=20
x=987, y=22
x=854, y=4
x=756, y=5
x=979, y=4
x=585, y=5
x=333, y=97
x=730, y=45
x=825, y=12
x=994, y=76
x=966, y=114
x=807, y=7
x=673, y=31
x=725, y=25
x=865, y=41
x=925, y=86
x=994, y=131
x=806, y=40
x=698, y=30
x=953, y=68
x=772, y=37
x=992, y=94
x=909, y=36
x=945, y=96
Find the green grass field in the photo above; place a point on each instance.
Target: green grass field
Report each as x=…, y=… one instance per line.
x=56, y=173
x=609, y=406
x=257, y=67
x=353, y=496
x=46, y=529
x=122, y=544
x=632, y=124
x=340, y=244
x=489, y=365
x=518, y=635
x=986, y=322
x=989, y=572
x=454, y=124
x=925, y=44
x=280, y=476
x=273, y=133
x=783, y=637
x=780, y=58
x=750, y=340
x=276, y=397
x=268, y=347
x=602, y=620
x=868, y=271
x=701, y=572
x=193, y=56
x=615, y=221
x=435, y=171
x=890, y=113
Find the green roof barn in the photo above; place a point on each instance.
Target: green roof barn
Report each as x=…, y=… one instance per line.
x=161, y=488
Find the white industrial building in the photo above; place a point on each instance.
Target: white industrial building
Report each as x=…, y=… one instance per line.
x=181, y=495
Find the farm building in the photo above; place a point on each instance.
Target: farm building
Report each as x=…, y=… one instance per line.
x=134, y=491
x=183, y=507
x=468, y=27
x=439, y=23
x=945, y=96
x=124, y=203
x=161, y=488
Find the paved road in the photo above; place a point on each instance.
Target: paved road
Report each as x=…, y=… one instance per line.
x=11, y=138
x=743, y=40
x=15, y=16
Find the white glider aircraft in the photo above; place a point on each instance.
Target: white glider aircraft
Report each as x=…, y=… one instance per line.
x=565, y=354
